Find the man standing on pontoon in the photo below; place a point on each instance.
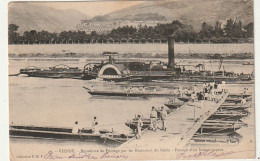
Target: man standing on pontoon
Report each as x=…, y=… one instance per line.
x=223, y=86
x=139, y=127
x=153, y=118
x=163, y=118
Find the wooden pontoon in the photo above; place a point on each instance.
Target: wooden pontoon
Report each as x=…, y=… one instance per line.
x=206, y=139
x=127, y=94
x=173, y=104
x=220, y=126
x=85, y=134
x=237, y=95
x=228, y=115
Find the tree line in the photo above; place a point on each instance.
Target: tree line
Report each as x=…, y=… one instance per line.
x=231, y=32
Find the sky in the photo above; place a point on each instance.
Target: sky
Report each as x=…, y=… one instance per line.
x=92, y=8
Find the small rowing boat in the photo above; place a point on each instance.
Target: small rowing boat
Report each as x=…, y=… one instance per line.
x=233, y=100
x=201, y=139
x=184, y=99
x=229, y=115
x=237, y=95
x=233, y=107
x=127, y=94
x=173, y=104
x=35, y=132
x=213, y=126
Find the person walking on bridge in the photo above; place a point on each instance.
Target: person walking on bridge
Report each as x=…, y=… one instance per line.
x=153, y=118
x=139, y=127
x=163, y=118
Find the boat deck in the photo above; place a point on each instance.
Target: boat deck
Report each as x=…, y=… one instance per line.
x=182, y=124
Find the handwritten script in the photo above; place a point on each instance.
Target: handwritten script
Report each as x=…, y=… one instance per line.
x=210, y=153
x=52, y=156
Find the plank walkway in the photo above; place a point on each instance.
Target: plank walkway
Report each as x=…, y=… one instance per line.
x=182, y=124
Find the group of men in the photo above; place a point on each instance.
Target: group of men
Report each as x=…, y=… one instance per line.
x=95, y=127
x=139, y=90
x=182, y=91
x=162, y=114
x=135, y=90
x=211, y=90
x=154, y=114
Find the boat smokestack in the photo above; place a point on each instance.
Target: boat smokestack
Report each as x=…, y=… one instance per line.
x=171, y=62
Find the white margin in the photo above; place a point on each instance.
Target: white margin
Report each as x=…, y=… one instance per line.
x=4, y=114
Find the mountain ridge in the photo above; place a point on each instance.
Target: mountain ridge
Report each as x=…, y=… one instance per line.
x=190, y=12
x=30, y=16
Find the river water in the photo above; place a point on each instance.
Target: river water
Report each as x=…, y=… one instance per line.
x=131, y=48
x=61, y=102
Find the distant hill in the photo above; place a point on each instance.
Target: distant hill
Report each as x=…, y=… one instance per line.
x=192, y=12
x=30, y=16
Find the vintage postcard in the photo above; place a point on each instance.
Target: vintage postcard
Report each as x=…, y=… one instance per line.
x=131, y=80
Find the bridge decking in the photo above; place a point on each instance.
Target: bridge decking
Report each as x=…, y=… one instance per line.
x=182, y=124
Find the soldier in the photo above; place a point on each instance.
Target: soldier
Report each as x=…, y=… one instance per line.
x=245, y=90
x=153, y=117
x=223, y=86
x=75, y=129
x=193, y=97
x=163, y=118
x=94, y=121
x=204, y=86
x=139, y=127
x=195, y=89
x=180, y=91
x=219, y=88
x=206, y=95
x=92, y=88
x=96, y=128
x=243, y=101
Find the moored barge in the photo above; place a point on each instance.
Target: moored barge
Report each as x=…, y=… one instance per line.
x=36, y=132
x=58, y=71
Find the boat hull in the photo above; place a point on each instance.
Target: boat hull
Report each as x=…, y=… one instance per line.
x=228, y=116
x=53, y=133
x=55, y=75
x=172, y=106
x=206, y=129
x=125, y=94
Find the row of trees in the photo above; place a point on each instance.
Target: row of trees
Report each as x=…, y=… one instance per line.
x=232, y=31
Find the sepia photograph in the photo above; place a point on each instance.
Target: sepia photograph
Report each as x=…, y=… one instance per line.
x=131, y=80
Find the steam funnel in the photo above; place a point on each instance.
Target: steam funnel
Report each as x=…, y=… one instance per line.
x=171, y=61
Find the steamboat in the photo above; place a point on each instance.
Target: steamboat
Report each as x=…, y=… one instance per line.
x=140, y=71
